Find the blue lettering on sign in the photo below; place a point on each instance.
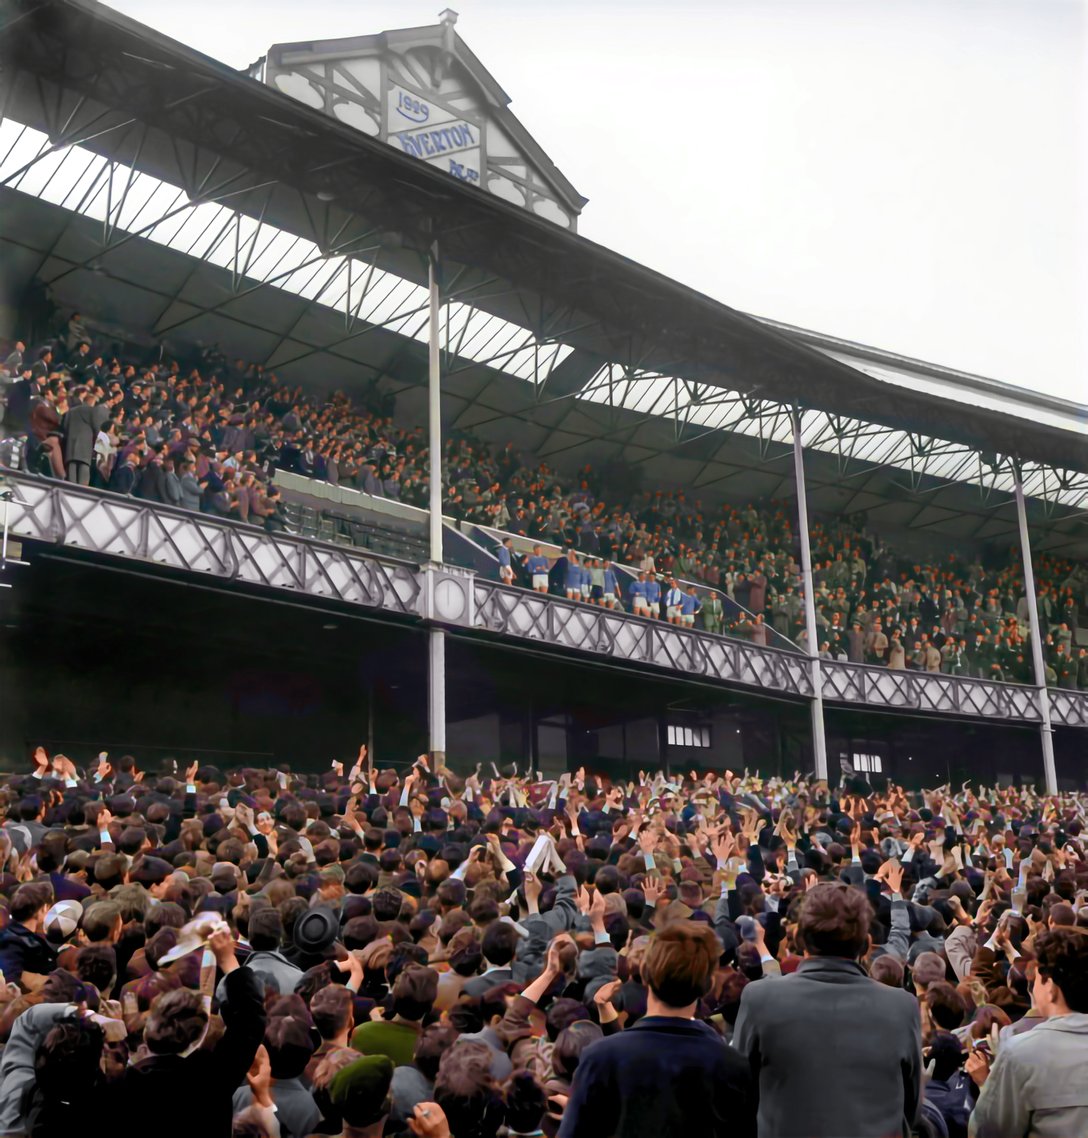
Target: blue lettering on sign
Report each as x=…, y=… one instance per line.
x=413, y=109
x=434, y=143
x=465, y=173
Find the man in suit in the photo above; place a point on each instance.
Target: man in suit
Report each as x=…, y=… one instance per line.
x=81, y=426
x=834, y=1052
x=670, y=1073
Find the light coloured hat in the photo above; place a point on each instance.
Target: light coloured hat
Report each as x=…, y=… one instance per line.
x=63, y=919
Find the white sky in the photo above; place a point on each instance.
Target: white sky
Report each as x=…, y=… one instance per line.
x=909, y=174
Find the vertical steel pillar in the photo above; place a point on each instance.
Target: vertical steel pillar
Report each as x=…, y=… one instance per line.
x=1046, y=731
x=819, y=739
x=434, y=403
x=436, y=638
x=436, y=692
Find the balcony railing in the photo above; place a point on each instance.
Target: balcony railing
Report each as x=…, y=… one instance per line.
x=59, y=513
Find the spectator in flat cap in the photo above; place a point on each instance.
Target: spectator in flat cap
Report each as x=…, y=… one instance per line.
x=360, y=1091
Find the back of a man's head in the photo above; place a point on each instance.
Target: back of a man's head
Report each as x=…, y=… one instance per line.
x=101, y=922
x=680, y=962
x=834, y=921
x=290, y=1046
x=331, y=1009
x=466, y=1092
x=500, y=942
x=177, y=1020
x=887, y=970
x=265, y=930
x=414, y=992
x=928, y=969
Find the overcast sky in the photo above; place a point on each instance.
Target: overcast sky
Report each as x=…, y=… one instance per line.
x=909, y=174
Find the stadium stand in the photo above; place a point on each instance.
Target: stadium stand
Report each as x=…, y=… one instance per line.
x=239, y=945
x=213, y=435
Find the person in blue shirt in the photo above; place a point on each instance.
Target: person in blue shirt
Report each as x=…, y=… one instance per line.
x=572, y=580
x=506, y=567
x=611, y=586
x=674, y=599
x=689, y=606
x=653, y=595
x=537, y=566
x=639, y=605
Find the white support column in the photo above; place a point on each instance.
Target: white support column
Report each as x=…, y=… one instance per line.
x=1046, y=731
x=434, y=403
x=436, y=692
x=436, y=638
x=819, y=739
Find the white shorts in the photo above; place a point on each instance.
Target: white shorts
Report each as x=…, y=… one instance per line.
x=655, y=608
x=540, y=580
x=672, y=610
x=639, y=605
x=585, y=591
x=506, y=573
x=687, y=618
x=610, y=597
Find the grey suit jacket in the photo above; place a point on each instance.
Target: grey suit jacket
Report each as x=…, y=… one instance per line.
x=81, y=426
x=835, y=1054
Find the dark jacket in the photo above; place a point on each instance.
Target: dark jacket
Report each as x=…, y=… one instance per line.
x=835, y=1053
x=178, y=1098
x=23, y=951
x=662, y=1077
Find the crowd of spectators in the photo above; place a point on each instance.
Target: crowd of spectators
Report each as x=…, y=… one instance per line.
x=210, y=436
x=369, y=952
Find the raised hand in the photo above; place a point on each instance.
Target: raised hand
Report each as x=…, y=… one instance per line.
x=653, y=889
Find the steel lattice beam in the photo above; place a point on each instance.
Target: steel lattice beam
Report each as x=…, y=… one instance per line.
x=43, y=510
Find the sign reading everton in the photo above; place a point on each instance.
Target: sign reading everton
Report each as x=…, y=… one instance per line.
x=433, y=133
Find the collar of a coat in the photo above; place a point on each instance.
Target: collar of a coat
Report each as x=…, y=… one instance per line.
x=832, y=968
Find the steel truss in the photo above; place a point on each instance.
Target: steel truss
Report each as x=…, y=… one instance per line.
x=46, y=511
x=119, y=526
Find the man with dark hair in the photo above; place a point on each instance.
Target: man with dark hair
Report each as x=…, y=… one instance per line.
x=500, y=943
x=333, y=1014
x=876, y=1072
x=266, y=960
x=1036, y=1086
x=290, y=1047
x=26, y=957
x=670, y=1073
